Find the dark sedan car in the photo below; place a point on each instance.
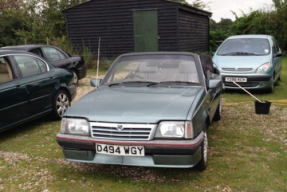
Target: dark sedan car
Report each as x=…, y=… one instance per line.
x=31, y=87
x=56, y=57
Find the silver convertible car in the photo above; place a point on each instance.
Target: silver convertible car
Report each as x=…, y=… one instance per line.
x=151, y=109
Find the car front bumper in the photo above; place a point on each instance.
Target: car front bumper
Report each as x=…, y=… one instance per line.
x=254, y=81
x=158, y=153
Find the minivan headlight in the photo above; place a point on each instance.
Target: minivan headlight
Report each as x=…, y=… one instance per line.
x=175, y=129
x=75, y=126
x=264, y=68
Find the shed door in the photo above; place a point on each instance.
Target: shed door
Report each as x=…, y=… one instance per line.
x=145, y=31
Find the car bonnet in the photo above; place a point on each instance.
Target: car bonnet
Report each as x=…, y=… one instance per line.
x=135, y=105
x=240, y=61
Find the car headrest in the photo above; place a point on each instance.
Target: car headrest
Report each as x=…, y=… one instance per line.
x=145, y=67
x=29, y=65
x=3, y=68
x=187, y=67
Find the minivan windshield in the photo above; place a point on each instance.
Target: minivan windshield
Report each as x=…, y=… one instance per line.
x=244, y=47
x=145, y=69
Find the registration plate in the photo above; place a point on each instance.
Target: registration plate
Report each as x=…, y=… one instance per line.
x=120, y=150
x=236, y=79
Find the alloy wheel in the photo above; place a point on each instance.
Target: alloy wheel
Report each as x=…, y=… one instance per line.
x=63, y=103
x=205, y=147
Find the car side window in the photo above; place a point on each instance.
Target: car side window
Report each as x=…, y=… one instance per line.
x=37, y=52
x=53, y=54
x=28, y=66
x=6, y=74
x=275, y=46
x=62, y=56
x=42, y=65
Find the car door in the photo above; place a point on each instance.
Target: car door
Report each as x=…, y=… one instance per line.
x=39, y=81
x=215, y=93
x=13, y=96
x=56, y=57
x=276, y=60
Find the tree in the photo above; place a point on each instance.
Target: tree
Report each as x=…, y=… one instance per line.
x=199, y=4
x=196, y=4
x=9, y=4
x=44, y=19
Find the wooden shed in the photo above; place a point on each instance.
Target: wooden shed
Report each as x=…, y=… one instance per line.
x=138, y=25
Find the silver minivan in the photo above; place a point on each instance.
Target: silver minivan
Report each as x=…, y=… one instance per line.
x=253, y=61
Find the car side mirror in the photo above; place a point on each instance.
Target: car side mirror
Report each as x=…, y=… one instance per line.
x=213, y=83
x=278, y=55
x=96, y=82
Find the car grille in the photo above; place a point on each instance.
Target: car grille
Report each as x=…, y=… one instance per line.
x=122, y=131
x=248, y=84
x=237, y=69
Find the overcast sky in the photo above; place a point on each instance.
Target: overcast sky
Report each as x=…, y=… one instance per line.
x=223, y=8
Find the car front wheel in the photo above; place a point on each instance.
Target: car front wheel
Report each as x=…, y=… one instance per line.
x=75, y=77
x=202, y=164
x=217, y=115
x=61, y=103
x=271, y=88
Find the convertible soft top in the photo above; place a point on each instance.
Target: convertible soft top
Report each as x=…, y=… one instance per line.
x=207, y=65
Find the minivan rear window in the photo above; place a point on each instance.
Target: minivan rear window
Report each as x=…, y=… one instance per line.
x=245, y=47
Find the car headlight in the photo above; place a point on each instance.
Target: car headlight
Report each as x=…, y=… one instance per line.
x=214, y=66
x=264, y=68
x=75, y=126
x=175, y=129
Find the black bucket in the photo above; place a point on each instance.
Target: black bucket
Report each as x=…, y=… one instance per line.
x=262, y=108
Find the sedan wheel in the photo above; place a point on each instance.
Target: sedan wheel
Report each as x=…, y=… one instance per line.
x=217, y=115
x=76, y=79
x=205, y=148
x=61, y=104
x=202, y=164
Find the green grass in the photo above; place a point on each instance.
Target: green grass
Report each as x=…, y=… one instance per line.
x=248, y=152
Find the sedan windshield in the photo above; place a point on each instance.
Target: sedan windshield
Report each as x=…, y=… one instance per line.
x=149, y=69
x=245, y=47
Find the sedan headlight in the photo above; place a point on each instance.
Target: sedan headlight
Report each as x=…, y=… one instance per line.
x=175, y=129
x=75, y=126
x=264, y=68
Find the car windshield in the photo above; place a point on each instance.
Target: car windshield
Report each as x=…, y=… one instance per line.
x=151, y=69
x=245, y=47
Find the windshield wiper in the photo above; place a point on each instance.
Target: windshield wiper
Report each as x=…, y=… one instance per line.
x=112, y=84
x=238, y=53
x=129, y=82
x=132, y=82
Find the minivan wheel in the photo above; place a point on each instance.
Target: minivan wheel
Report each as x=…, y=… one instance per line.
x=271, y=88
x=202, y=164
x=61, y=103
x=279, y=78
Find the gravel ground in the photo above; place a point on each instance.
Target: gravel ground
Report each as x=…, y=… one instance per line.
x=85, y=87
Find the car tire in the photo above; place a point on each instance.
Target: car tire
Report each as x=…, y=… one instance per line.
x=217, y=115
x=271, y=88
x=75, y=77
x=202, y=164
x=61, y=103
